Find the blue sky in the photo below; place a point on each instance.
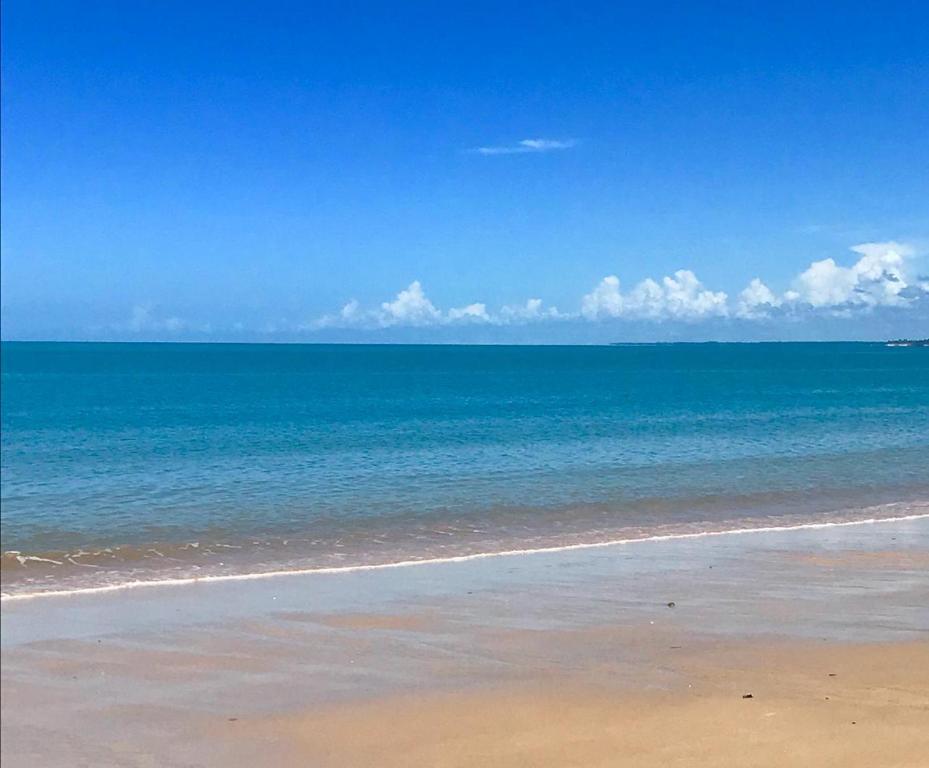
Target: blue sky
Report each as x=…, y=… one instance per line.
x=464, y=172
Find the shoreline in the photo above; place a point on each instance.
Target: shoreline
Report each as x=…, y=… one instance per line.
x=431, y=561
x=585, y=657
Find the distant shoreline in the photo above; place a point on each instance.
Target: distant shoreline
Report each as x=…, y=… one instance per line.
x=296, y=343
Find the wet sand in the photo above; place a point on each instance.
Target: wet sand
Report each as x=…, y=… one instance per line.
x=572, y=658
x=840, y=705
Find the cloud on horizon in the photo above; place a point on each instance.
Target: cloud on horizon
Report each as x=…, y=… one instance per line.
x=878, y=293
x=882, y=276
x=411, y=308
x=144, y=318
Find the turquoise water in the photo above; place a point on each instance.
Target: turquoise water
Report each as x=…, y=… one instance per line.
x=127, y=461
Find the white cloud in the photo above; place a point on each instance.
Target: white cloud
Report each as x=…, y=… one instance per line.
x=680, y=296
x=824, y=283
x=532, y=311
x=527, y=146
x=545, y=145
x=350, y=310
x=756, y=300
x=410, y=307
x=473, y=313
x=350, y=315
x=604, y=300
x=878, y=278
x=683, y=296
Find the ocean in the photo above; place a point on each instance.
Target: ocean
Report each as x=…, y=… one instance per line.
x=134, y=463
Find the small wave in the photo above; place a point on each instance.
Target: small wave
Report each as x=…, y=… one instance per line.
x=19, y=558
x=15, y=561
x=406, y=563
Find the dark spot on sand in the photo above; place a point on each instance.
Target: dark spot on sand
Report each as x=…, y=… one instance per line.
x=671, y=604
x=232, y=719
x=747, y=696
x=832, y=674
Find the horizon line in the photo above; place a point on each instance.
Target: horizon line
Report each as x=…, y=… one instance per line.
x=454, y=343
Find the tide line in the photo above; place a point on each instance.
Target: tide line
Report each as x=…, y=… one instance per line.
x=331, y=570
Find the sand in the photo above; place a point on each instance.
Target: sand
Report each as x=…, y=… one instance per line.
x=832, y=705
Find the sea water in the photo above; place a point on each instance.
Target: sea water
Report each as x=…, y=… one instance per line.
x=128, y=463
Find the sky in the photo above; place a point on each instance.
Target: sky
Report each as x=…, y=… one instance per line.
x=466, y=172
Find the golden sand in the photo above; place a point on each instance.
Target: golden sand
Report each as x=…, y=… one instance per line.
x=362, y=621
x=898, y=559
x=810, y=705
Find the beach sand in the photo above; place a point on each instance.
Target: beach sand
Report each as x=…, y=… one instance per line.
x=640, y=656
x=838, y=705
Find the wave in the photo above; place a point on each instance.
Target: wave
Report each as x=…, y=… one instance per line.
x=15, y=560
x=461, y=558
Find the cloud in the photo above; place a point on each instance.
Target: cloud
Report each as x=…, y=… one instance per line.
x=473, y=312
x=680, y=296
x=527, y=146
x=410, y=307
x=532, y=311
x=350, y=310
x=145, y=319
x=879, y=278
x=604, y=300
x=756, y=300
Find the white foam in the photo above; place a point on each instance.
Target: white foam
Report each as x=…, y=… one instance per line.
x=329, y=570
